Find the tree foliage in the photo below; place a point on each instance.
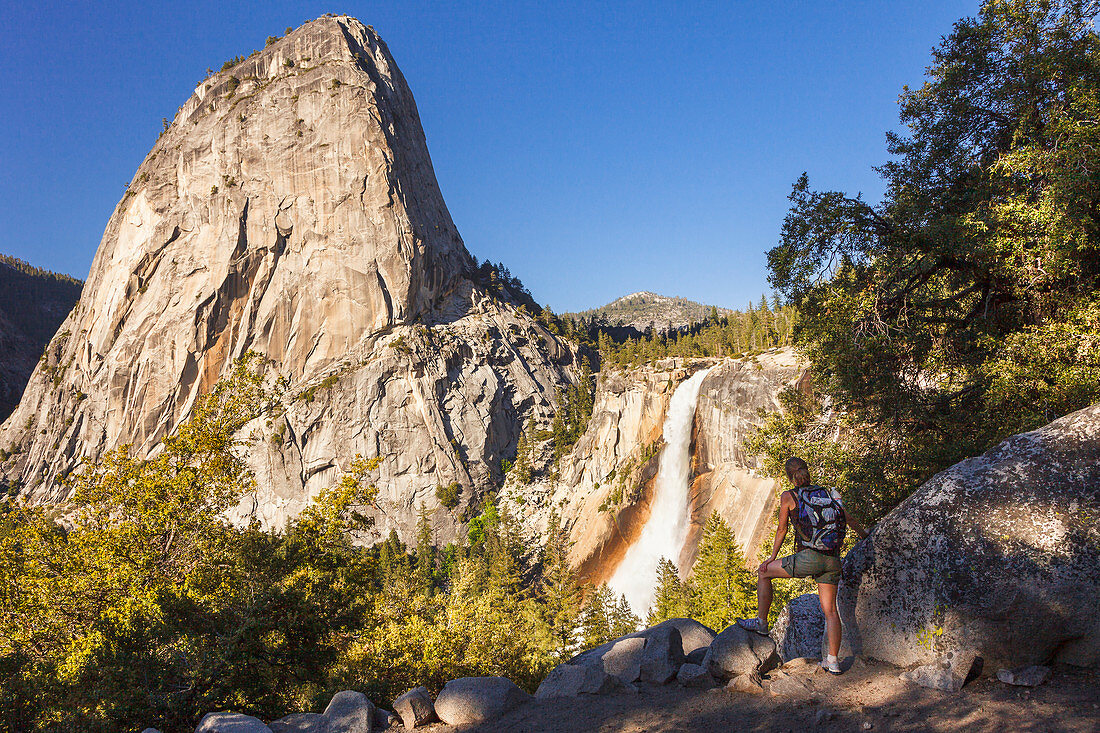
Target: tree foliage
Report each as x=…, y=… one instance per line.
x=979, y=269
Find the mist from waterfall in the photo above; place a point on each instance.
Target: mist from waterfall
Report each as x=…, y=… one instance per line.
x=666, y=529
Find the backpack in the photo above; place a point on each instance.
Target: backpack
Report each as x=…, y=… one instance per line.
x=819, y=519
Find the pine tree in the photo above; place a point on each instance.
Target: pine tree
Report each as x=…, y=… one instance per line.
x=723, y=588
x=622, y=619
x=559, y=591
x=671, y=595
x=425, y=550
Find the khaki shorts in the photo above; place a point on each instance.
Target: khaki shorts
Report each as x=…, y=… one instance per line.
x=812, y=564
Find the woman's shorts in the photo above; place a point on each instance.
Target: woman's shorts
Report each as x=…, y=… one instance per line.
x=812, y=564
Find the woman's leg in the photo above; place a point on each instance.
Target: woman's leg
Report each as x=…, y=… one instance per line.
x=826, y=593
x=773, y=569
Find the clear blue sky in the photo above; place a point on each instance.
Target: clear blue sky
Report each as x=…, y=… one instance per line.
x=596, y=149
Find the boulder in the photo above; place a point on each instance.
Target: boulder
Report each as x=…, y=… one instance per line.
x=415, y=707
x=349, y=712
x=570, y=680
x=999, y=554
x=1032, y=676
x=231, y=723
x=800, y=629
x=737, y=651
x=299, y=723
x=693, y=635
x=472, y=700
x=948, y=673
x=623, y=657
x=662, y=656
x=694, y=675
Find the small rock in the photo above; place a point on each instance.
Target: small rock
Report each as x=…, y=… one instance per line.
x=791, y=687
x=415, y=707
x=695, y=675
x=384, y=719
x=471, y=700
x=1032, y=676
x=867, y=725
x=299, y=723
x=949, y=673
x=231, y=723
x=747, y=683
x=150, y=730
x=349, y=712
x=801, y=664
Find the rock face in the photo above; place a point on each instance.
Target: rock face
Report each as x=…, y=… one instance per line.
x=33, y=303
x=999, y=556
x=725, y=477
x=291, y=208
x=472, y=700
x=799, y=632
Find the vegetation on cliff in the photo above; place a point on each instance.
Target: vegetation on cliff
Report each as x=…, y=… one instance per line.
x=963, y=308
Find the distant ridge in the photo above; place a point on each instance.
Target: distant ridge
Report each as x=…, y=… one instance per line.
x=33, y=303
x=645, y=309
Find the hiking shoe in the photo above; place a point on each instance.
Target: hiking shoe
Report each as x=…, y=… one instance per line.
x=833, y=667
x=754, y=624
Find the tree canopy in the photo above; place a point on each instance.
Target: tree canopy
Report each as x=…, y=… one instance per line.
x=963, y=307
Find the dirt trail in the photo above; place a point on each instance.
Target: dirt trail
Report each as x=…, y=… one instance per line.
x=868, y=693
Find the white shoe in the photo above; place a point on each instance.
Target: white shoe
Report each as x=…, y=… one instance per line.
x=833, y=667
x=754, y=624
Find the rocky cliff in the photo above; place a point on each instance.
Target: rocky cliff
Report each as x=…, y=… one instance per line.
x=602, y=489
x=291, y=208
x=33, y=303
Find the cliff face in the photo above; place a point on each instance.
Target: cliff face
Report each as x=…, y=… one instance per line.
x=725, y=478
x=291, y=208
x=33, y=303
x=603, y=487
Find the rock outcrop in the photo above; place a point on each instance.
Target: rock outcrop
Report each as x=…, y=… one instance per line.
x=997, y=556
x=291, y=208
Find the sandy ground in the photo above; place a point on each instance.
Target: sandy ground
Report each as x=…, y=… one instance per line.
x=869, y=696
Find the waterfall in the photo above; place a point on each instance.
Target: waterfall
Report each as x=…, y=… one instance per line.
x=666, y=529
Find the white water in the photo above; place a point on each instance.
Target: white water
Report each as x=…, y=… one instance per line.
x=666, y=529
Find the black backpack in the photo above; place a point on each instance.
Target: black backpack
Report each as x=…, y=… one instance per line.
x=819, y=519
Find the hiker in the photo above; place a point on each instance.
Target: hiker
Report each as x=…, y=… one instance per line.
x=820, y=523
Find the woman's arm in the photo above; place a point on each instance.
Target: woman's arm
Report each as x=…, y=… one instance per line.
x=781, y=531
x=854, y=524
